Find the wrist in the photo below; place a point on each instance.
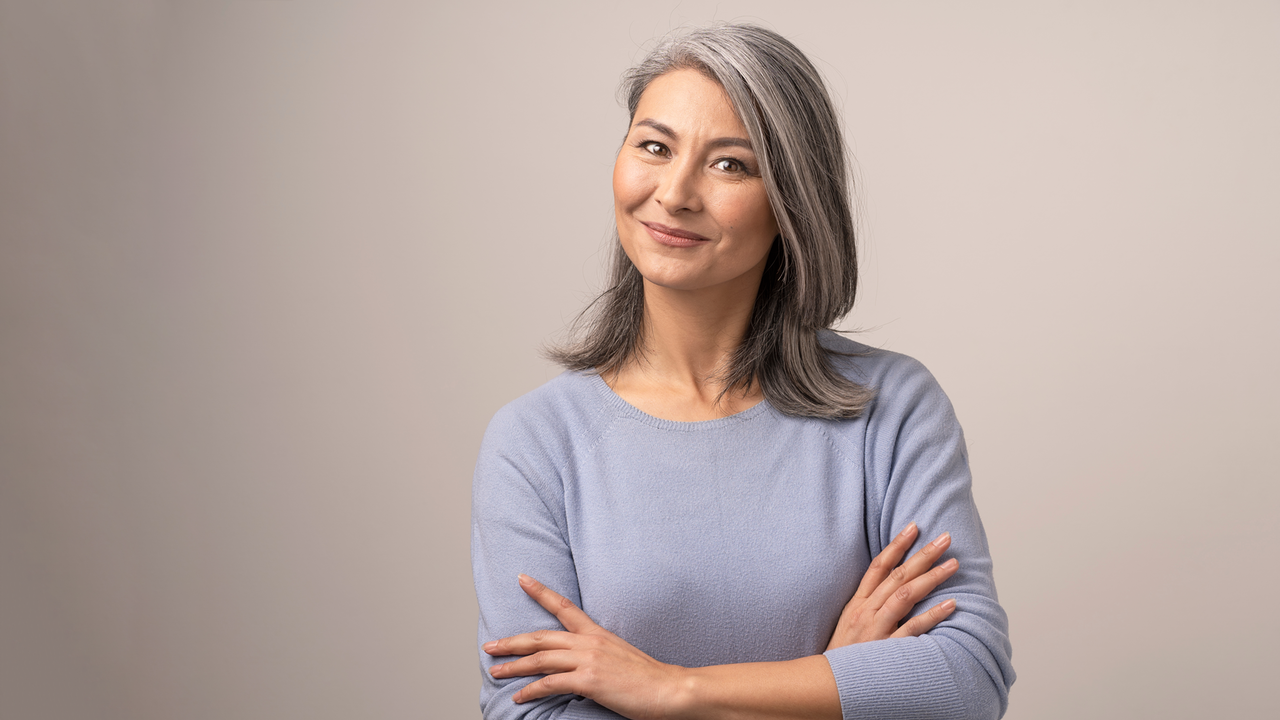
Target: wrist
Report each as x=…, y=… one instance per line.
x=682, y=695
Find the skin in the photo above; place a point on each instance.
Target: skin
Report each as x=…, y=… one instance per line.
x=686, y=164
x=687, y=169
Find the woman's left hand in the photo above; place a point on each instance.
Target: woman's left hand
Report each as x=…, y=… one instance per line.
x=585, y=659
x=889, y=591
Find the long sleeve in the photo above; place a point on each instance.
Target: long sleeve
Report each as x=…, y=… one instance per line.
x=916, y=469
x=519, y=526
x=737, y=540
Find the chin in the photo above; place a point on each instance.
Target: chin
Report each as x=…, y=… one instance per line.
x=670, y=274
x=672, y=284
x=669, y=281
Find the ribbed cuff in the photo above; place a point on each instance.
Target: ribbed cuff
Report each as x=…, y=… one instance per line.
x=904, y=679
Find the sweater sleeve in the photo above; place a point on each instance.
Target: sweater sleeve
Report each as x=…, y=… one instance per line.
x=916, y=469
x=518, y=526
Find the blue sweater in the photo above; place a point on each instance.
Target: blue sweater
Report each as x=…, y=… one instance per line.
x=738, y=539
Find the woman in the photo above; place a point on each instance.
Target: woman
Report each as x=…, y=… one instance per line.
x=703, y=492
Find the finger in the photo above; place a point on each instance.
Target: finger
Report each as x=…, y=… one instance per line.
x=557, y=684
x=900, y=604
x=547, y=662
x=913, y=568
x=886, y=561
x=925, y=621
x=529, y=643
x=570, y=616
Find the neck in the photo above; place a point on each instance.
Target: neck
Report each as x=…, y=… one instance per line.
x=688, y=337
x=687, y=342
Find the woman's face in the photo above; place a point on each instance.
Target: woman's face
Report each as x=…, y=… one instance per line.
x=691, y=206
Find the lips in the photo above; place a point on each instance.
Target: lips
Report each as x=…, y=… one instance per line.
x=674, y=237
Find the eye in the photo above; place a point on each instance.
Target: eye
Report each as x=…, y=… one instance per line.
x=654, y=147
x=729, y=165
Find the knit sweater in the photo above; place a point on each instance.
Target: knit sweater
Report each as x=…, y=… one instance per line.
x=738, y=539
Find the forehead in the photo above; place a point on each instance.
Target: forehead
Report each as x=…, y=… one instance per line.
x=689, y=101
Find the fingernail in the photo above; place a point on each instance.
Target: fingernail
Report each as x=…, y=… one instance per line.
x=910, y=528
x=942, y=539
x=490, y=646
x=951, y=564
x=948, y=606
x=494, y=670
x=525, y=580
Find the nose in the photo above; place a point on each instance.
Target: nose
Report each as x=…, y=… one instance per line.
x=679, y=188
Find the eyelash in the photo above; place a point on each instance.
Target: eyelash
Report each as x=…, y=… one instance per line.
x=741, y=169
x=647, y=146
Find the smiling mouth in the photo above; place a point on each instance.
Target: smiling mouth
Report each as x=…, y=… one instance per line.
x=673, y=237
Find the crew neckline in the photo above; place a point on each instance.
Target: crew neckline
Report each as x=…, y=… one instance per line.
x=616, y=401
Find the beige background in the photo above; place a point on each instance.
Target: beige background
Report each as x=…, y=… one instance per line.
x=268, y=267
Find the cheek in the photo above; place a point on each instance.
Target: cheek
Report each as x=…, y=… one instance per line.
x=631, y=183
x=751, y=218
x=768, y=222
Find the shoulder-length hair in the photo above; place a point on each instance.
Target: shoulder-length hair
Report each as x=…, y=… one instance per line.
x=811, y=275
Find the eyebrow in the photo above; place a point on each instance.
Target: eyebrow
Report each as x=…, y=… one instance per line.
x=718, y=142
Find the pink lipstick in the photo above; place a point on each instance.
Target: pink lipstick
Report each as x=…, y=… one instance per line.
x=673, y=237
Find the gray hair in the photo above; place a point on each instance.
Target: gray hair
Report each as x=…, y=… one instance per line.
x=811, y=274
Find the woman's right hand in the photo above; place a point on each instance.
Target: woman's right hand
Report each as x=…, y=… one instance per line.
x=889, y=591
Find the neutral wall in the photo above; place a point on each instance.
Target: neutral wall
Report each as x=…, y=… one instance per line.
x=268, y=267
